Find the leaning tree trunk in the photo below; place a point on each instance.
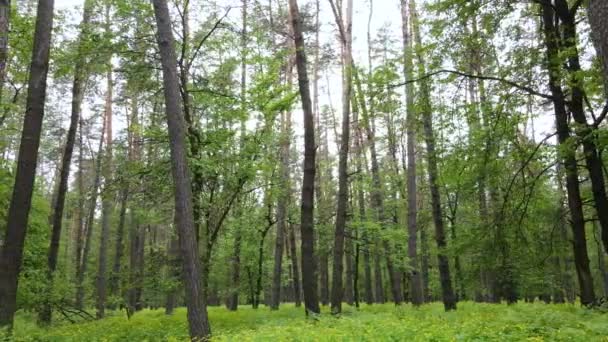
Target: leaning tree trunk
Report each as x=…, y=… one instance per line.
x=78, y=87
x=21, y=200
x=184, y=220
x=575, y=204
x=311, y=302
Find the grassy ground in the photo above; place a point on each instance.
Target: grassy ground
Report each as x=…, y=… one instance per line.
x=472, y=322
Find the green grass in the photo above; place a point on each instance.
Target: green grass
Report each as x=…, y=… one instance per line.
x=472, y=322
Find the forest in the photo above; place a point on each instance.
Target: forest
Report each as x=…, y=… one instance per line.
x=303, y=170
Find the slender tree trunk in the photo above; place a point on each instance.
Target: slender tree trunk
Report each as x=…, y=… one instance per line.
x=601, y=260
x=184, y=220
x=311, y=302
x=449, y=300
x=577, y=219
x=345, y=29
x=294, y=265
x=21, y=200
x=282, y=205
x=5, y=15
x=593, y=161
x=106, y=201
x=412, y=227
x=80, y=76
x=235, y=274
x=90, y=222
x=174, y=273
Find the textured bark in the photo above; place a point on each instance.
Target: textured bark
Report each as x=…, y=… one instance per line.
x=412, y=226
x=597, y=12
x=311, y=302
x=345, y=28
x=568, y=159
x=593, y=160
x=184, y=220
x=78, y=85
x=21, y=200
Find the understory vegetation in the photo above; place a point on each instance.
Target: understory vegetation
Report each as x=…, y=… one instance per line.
x=472, y=322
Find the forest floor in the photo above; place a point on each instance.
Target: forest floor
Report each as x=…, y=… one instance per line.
x=472, y=322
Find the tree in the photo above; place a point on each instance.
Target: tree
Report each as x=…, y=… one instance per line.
x=408, y=65
x=311, y=302
x=449, y=300
x=345, y=29
x=78, y=89
x=184, y=219
x=12, y=252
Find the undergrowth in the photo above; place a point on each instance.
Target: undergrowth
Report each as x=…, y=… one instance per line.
x=472, y=322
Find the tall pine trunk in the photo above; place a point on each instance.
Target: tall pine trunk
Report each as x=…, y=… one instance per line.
x=311, y=302
x=21, y=200
x=184, y=220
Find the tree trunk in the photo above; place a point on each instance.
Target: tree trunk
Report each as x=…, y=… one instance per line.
x=345, y=29
x=184, y=220
x=412, y=227
x=174, y=260
x=90, y=222
x=449, y=300
x=5, y=11
x=235, y=274
x=106, y=200
x=295, y=272
x=311, y=302
x=577, y=219
x=21, y=200
x=282, y=206
x=78, y=88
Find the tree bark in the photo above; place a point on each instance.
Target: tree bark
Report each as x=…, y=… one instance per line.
x=412, y=227
x=311, y=302
x=184, y=220
x=449, y=300
x=21, y=200
x=78, y=88
x=577, y=219
x=345, y=28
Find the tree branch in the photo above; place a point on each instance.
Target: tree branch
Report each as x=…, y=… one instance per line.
x=514, y=84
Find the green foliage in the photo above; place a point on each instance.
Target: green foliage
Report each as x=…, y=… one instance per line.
x=472, y=322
